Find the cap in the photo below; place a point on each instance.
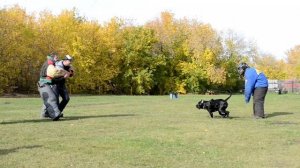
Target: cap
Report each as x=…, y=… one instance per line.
x=52, y=54
x=242, y=68
x=68, y=57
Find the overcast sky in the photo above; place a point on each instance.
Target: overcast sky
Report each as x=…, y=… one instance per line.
x=273, y=25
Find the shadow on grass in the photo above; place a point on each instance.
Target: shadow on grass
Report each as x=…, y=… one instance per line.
x=226, y=118
x=99, y=116
x=278, y=114
x=234, y=117
x=284, y=123
x=7, y=151
x=65, y=118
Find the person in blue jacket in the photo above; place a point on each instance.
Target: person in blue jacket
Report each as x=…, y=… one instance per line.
x=256, y=84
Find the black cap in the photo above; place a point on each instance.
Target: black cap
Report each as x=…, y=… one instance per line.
x=242, y=68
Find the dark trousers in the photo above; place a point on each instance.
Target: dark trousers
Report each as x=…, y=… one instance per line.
x=259, y=101
x=58, y=90
x=62, y=91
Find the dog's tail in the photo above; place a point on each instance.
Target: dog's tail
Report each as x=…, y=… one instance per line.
x=230, y=93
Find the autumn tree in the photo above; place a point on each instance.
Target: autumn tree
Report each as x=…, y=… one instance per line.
x=235, y=49
x=272, y=68
x=293, y=61
x=162, y=56
x=202, y=70
x=170, y=48
x=96, y=53
x=138, y=61
x=17, y=50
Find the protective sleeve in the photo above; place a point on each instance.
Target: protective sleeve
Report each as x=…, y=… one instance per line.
x=251, y=77
x=54, y=72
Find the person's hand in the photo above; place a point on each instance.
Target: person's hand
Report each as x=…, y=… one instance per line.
x=71, y=73
x=67, y=75
x=247, y=101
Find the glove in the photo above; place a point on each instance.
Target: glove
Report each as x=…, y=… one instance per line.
x=71, y=73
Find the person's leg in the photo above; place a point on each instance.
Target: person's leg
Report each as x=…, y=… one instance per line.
x=258, y=102
x=50, y=101
x=63, y=92
x=44, y=112
x=56, y=92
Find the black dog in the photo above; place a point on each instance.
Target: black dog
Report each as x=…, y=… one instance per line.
x=211, y=106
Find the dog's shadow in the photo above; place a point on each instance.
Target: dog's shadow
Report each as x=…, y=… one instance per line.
x=224, y=118
x=274, y=114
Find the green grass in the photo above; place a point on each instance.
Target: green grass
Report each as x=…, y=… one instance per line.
x=149, y=131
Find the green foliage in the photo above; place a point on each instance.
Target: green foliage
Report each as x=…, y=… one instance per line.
x=160, y=57
x=138, y=62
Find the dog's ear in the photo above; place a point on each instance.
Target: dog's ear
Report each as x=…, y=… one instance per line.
x=201, y=101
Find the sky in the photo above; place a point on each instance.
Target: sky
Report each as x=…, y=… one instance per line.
x=274, y=25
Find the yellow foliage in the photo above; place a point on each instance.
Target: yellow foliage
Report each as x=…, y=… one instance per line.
x=180, y=88
x=293, y=61
x=216, y=75
x=272, y=68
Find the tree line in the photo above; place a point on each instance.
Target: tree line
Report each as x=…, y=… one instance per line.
x=163, y=55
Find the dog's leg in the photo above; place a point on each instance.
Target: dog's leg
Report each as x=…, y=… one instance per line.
x=211, y=114
x=224, y=113
x=221, y=113
x=227, y=114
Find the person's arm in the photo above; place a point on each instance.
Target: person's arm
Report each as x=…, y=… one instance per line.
x=71, y=70
x=54, y=72
x=250, y=80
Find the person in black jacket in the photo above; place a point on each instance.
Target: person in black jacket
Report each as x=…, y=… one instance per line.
x=60, y=83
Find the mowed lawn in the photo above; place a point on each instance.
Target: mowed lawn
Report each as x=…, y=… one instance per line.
x=150, y=131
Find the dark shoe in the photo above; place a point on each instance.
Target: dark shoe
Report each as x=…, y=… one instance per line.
x=45, y=115
x=258, y=117
x=57, y=117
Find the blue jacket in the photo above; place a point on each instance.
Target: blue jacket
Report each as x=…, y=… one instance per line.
x=253, y=79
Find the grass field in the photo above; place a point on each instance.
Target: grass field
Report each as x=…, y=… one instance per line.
x=150, y=131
